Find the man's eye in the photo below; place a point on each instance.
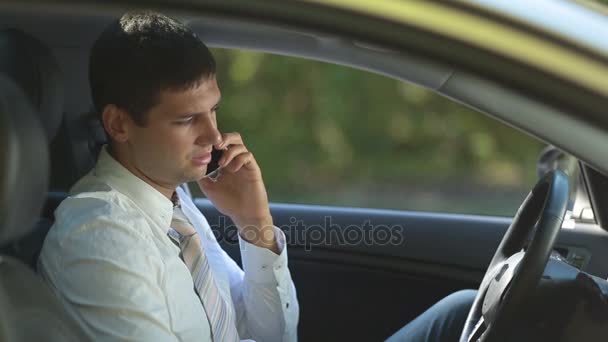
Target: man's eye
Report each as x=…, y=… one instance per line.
x=185, y=122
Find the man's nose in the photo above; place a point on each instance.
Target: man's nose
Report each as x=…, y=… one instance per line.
x=208, y=133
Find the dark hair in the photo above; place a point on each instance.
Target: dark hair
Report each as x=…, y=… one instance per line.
x=139, y=55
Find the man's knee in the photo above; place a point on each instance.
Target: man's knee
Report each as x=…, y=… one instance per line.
x=458, y=303
x=442, y=322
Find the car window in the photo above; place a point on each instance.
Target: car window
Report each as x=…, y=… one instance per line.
x=332, y=135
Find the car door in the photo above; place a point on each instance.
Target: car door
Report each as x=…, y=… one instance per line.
x=350, y=289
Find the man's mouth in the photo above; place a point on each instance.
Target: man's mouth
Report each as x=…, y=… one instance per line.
x=202, y=159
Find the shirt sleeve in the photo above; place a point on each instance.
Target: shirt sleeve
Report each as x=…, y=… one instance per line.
x=265, y=297
x=108, y=276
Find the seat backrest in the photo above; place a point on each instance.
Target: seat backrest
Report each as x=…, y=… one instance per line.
x=33, y=68
x=27, y=249
x=24, y=164
x=74, y=143
x=29, y=309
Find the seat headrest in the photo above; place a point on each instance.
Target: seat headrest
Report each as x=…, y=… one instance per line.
x=24, y=163
x=33, y=67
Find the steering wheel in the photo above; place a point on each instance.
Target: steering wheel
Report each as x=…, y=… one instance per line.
x=514, y=272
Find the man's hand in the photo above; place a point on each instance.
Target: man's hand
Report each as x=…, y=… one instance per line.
x=240, y=193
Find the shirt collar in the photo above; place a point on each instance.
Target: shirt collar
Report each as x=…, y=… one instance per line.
x=149, y=200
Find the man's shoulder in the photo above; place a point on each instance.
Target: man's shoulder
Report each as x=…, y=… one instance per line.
x=78, y=209
x=94, y=210
x=92, y=196
x=98, y=224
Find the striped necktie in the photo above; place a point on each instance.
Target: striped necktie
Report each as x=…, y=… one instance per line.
x=221, y=319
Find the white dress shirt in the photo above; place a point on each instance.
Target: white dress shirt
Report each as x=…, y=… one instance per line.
x=109, y=259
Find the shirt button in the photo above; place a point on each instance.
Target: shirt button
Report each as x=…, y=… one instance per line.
x=287, y=306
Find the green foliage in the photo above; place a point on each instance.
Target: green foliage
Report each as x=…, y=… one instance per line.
x=328, y=134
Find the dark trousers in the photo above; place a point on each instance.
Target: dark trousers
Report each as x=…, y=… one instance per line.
x=442, y=322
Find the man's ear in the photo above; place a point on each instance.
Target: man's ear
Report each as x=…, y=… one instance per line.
x=116, y=122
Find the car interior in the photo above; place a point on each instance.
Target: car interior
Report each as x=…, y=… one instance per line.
x=345, y=291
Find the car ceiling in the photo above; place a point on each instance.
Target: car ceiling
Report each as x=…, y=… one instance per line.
x=547, y=109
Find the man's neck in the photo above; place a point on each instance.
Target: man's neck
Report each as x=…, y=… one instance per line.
x=167, y=190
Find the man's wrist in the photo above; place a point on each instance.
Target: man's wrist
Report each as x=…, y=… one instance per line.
x=258, y=231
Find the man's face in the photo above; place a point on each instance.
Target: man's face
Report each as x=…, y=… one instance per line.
x=175, y=144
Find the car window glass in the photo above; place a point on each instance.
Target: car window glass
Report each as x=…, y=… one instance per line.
x=332, y=135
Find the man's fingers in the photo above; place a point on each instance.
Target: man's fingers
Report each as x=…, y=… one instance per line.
x=239, y=161
x=231, y=153
x=230, y=139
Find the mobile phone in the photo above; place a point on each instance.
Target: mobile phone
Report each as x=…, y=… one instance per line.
x=213, y=166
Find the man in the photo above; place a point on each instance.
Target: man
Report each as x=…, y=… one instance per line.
x=129, y=254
